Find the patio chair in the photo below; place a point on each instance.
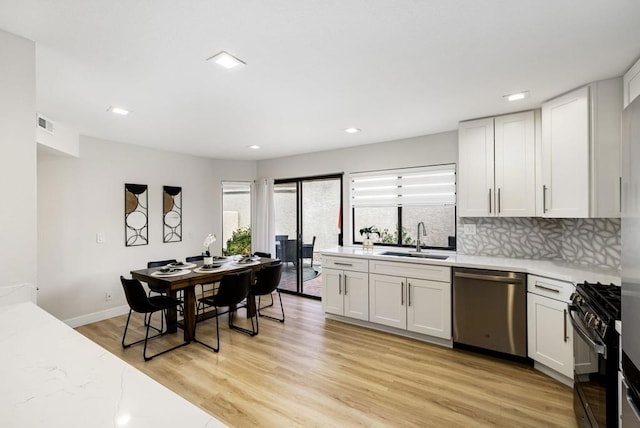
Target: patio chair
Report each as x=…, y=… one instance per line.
x=280, y=243
x=288, y=251
x=307, y=250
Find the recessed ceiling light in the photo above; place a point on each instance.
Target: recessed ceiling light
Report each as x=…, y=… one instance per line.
x=226, y=60
x=517, y=96
x=352, y=130
x=118, y=110
x=253, y=147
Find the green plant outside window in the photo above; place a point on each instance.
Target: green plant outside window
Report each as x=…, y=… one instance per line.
x=239, y=243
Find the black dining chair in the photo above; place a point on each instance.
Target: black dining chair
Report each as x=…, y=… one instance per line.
x=267, y=281
x=261, y=254
x=160, y=263
x=233, y=290
x=202, y=286
x=151, y=265
x=139, y=302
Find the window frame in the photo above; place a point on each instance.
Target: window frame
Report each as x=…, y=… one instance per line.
x=222, y=206
x=356, y=239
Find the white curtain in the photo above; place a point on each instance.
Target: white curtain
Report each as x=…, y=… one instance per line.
x=264, y=225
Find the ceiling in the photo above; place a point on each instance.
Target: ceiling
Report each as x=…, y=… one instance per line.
x=395, y=69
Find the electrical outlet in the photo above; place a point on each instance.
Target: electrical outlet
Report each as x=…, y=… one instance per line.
x=107, y=296
x=469, y=229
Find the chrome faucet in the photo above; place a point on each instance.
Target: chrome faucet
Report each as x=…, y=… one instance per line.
x=424, y=233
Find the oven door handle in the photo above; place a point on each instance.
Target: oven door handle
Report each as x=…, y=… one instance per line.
x=630, y=401
x=581, y=329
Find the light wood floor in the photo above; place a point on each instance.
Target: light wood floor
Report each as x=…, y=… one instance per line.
x=315, y=372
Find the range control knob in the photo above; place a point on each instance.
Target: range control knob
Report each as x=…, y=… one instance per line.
x=597, y=323
x=588, y=318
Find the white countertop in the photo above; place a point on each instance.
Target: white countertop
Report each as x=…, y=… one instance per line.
x=572, y=272
x=52, y=376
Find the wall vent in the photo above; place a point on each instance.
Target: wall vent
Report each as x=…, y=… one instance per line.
x=45, y=124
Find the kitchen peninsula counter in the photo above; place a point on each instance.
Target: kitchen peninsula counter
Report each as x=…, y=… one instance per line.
x=52, y=376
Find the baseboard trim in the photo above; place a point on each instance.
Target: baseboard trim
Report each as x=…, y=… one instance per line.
x=392, y=330
x=96, y=316
x=553, y=374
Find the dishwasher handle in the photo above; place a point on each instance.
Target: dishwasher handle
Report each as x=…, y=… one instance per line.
x=482, y=277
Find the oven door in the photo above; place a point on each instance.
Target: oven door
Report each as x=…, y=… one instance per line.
x=590, y=377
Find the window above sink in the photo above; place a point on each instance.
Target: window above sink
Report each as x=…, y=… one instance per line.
x=393, y=202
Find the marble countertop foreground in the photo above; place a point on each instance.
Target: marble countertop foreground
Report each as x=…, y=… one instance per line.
x=52, y=376
x=572, y=272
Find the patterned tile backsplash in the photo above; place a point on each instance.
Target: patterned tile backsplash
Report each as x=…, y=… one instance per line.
x=586, y=241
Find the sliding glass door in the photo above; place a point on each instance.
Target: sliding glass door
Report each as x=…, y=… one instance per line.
x=308, y=215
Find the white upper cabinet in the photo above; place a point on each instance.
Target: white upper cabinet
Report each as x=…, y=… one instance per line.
x=475, y=168
x=565, y=155
x=580, y=152
x=496, y=166
x=515, y=176
x=631, y=84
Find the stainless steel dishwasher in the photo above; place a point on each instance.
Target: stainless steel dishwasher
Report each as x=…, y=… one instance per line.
x=490, y=310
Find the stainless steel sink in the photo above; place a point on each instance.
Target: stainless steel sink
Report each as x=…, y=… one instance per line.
x=415, y=255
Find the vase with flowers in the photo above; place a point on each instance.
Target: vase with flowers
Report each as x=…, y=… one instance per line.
x=207, y=259
x=367, y=233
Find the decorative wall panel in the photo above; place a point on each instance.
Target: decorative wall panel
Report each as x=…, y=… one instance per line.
x=136, y=218
x=586, y=241
x=172, y=214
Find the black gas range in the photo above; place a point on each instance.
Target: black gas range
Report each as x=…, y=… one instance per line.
x=594, y=310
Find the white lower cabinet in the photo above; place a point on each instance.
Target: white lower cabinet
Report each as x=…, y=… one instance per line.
x=420, y=305
x=345, y=287
x=386, y=303
x=346, y=293
x=429, y=307
x=549, y=329
x=550, y=334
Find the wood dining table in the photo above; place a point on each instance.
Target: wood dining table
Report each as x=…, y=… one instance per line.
x=187, y=282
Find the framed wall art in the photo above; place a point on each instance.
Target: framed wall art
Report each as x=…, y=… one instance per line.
x=136, y=216
x=172, y=214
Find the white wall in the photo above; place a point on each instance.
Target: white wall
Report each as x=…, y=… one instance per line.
x=64, y=139
x=18, y=160
x=79, y=197
x=418, y=151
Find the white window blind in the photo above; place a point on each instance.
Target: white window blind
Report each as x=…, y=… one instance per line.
x=432, y=185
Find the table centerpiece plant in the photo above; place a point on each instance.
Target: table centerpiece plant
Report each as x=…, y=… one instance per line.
x=207, y=259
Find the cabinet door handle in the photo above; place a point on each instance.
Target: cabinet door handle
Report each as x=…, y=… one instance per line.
x=499, y=201
x=620, y=196
x=409, y=293
x=345, y=284
x=566, y=336
x=544, y=199
x=553, y=290
x=402, y=293
x=342, y=264
x=339, y=283
x=489, y=201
